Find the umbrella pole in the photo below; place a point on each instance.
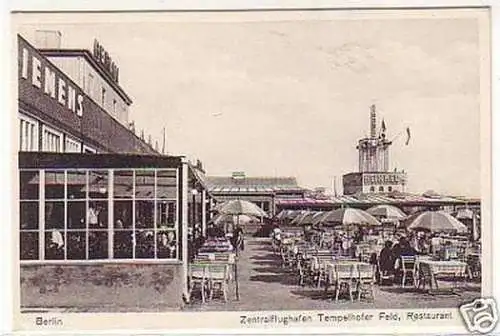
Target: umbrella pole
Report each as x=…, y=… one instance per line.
x=236, y=265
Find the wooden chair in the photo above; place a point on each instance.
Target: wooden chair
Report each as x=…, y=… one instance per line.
x=408, y=265
x=366, y=279
x=198, y=279
x=218, y=280
x=345, y=278
x=322, y=274
x=425, y=277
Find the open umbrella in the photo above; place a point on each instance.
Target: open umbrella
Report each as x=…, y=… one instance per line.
x=240, y=207
x=347, y=217
x=297, y=220
x=386, y=211
x=437, y=221
x=311, y=218
x=225, y=218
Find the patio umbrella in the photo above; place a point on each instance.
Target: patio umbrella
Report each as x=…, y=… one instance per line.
x=348, y=217
x=297, y=220
x=311, y=218
x=284, y=214
x=240, y=207
x=294, y=214
x=225, y=218
x=386, y=211
x=437, y=221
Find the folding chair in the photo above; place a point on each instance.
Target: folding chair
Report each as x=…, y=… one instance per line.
x=408, y=265
x=218, y=279
x=366, y=279
x=345, y=277
x=198, y=278
x=425, y=277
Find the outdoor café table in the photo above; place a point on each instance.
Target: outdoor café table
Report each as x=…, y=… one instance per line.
x=441, y=267
x=330, y=266
x=355, y=277
x=207, y=265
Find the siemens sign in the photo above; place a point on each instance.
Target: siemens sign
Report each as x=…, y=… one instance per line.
x=46, y=78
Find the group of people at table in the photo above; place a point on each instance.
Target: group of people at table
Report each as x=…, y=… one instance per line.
x=395, y=257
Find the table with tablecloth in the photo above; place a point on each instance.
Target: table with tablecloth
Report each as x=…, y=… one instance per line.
x=430, y=270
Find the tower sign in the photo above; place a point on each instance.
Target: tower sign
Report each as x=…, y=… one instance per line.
x=374, y=174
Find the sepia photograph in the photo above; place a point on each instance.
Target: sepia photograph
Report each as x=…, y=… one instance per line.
x=252, y=161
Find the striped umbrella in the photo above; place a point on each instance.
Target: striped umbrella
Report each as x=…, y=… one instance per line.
x=437, y=221
x=298, y=220
x=348, y=217
x=386, y=211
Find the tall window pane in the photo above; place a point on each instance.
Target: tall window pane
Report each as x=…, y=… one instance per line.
x=77, y=180
x=144, y=214
x=54, y=215
x=29, y=246
x=98, y=184
x=28, y=215
x=166, y=187
x=98, y=245
x=144, y=184
x=97, y=215
x=123, y=244
x=28, y=184
x=123, y=214
x=76, y=245
x=166, y=244
x=145, y=244
x=165, y=214
x=54, y=184
x=76, y=215
x=54, y=245
x=123, y=184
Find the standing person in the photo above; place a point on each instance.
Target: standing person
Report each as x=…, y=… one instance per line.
x=237, y=239
x=276, y=236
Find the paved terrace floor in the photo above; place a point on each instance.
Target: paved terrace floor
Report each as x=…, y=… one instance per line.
x=265, y=285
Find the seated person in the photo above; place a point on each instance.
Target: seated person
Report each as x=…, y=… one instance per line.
x=386, y=259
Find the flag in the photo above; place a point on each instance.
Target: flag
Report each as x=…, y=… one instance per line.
x=383, y=126
x=408, y=135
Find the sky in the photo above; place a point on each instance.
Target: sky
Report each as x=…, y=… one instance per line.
x=291, y=97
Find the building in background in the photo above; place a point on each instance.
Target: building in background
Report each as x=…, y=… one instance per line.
x=263, y=191
x=374, y=175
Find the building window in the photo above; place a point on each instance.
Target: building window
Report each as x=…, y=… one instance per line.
x=389, y=188
x=72, y=146
x=82, y=214
x=114, y=108
x=372, y=189
x=28, y=134
x=51, y=140
x=103, y=96
x=89, y=150
x=381, y=189
x=90, y=86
